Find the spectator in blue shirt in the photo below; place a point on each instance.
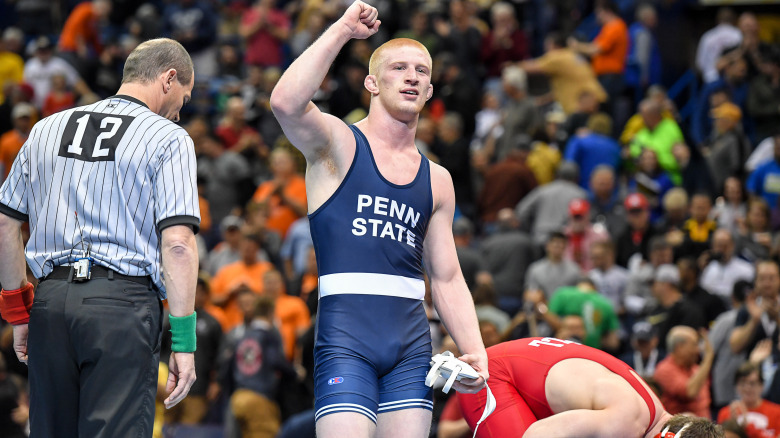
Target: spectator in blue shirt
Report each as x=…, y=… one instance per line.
x=733, y=84
x=765, y=180
x=593, y=147
x=643, y=61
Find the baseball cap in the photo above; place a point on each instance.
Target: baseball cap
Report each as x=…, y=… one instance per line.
x=578, y=207
x=667, y=274
x=231, y=222
x=642, y=331
x=22, y=109
x=727, y=110
x=635, y=201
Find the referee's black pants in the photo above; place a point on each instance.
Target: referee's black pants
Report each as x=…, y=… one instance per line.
x=94, y=349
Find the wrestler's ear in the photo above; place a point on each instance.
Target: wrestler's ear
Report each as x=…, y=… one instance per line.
x=372, y=84
x=429, y=94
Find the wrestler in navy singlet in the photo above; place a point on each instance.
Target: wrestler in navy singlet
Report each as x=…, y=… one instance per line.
x=373, y=344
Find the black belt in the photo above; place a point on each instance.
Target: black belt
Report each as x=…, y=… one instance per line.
x=64, y=273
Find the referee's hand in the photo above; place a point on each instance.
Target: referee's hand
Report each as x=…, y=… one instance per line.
x=181, y=376
x=20, y=342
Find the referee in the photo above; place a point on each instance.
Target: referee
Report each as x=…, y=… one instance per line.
x=109, y=192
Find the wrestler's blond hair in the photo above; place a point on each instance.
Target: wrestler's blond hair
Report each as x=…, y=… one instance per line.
x=377, y=58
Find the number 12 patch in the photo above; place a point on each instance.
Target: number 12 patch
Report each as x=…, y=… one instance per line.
x=93, y=136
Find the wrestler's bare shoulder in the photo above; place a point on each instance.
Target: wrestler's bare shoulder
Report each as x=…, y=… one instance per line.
x=596, y=388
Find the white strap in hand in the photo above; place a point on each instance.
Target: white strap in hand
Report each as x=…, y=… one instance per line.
x=451, y=380
x=434, y=374
x=490, y=406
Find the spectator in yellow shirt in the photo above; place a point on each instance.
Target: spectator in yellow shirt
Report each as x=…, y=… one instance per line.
x=569, y=73
x=11, y=64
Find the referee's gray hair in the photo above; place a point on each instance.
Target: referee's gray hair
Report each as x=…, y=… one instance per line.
x=153, y=57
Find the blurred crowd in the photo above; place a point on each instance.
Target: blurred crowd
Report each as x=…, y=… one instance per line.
x=592, y=203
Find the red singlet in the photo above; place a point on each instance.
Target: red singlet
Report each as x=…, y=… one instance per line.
x=518, y=371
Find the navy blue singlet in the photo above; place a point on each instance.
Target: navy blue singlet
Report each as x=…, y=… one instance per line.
x=373, y=345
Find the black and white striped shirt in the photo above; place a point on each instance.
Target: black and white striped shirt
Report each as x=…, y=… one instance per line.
x=124, y=171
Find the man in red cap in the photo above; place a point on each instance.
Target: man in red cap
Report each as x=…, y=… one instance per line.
x=635, y=237
x=581, y=234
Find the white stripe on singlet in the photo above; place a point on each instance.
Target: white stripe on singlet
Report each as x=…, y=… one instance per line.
x=372, y=284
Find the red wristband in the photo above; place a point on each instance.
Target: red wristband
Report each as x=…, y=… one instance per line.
x=15, y=304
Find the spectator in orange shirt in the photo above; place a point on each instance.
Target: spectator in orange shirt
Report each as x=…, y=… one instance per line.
x=11, y=142
x=760, y=417
x=60, y=97
x=285, y=194
x=80, y=34
x=607, y=51
x=684, y=382
x=203, y=203
x=291, y=314
x=307, y=283
x=203, y=290
x=245, y=273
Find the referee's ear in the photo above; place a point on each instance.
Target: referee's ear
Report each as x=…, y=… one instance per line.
x=169, y=78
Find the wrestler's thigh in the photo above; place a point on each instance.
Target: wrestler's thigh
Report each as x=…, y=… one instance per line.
x=412, y=423
x=345, y=424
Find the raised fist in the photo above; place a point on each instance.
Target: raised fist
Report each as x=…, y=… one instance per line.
x=361, y=19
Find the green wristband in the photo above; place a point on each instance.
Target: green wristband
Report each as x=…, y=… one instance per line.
x=183, y=337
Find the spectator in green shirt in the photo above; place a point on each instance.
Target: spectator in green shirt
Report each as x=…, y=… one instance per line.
x=583, y=300
x=659, y=134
